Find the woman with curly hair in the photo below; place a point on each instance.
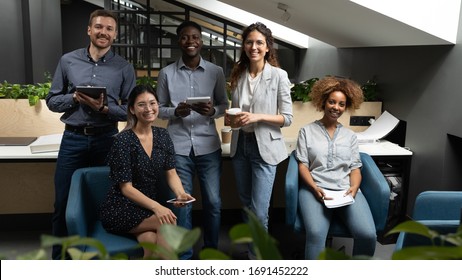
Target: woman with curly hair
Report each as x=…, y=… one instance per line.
x=328, y=159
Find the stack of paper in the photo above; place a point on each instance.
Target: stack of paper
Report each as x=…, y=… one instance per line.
x=336, y=199
x=378, y=129
x=46, y=143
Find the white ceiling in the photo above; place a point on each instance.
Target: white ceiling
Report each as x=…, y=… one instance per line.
x=343, y=23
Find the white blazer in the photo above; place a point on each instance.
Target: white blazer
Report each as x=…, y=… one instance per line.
x=271, y=96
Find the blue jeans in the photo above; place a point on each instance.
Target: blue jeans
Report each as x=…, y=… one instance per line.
x=317, y=218
x=254, y=177
x=76, y=151
x=208, y=170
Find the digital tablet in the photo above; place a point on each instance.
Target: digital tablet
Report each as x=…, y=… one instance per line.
x=92, y=91
x=173, y=200
x=198, y=99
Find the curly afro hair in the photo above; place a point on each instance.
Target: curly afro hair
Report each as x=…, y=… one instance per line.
x=324, y=87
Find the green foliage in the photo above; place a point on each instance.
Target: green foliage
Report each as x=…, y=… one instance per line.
x=264, y=245
x=252, y=232
x=178, y=238
x=145, y=80
x=437, y=251
x=301, y=91
x=32, y=92
x=370, y=90
x=39, y=91
x=444, y=246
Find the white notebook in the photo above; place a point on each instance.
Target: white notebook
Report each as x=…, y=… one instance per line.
x=339, y=198
x=46, y=143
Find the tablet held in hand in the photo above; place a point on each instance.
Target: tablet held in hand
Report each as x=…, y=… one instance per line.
x=197, y=99
x=92, y=91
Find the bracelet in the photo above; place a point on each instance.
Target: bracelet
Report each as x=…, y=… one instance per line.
x=101, y=109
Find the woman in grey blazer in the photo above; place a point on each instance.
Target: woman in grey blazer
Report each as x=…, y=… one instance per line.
x=262, y=90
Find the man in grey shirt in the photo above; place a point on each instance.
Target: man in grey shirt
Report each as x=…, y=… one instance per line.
x=192, y=126
x=90, y=124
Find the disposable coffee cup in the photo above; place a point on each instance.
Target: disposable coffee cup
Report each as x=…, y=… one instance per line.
x=226, y=135
x=233, y=119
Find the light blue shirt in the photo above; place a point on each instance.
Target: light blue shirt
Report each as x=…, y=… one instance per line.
x=175, y=83
x=330, y=161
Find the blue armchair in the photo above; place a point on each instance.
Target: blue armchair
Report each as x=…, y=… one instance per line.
x=438, y=210
x=88, y=189
x=373, y=186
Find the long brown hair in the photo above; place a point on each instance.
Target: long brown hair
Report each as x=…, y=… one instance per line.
x=244, y=62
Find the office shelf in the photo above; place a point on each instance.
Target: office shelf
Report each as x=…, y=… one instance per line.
x=396, y=170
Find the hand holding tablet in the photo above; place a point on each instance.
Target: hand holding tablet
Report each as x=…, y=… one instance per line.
x=92, y=91
x=197, y=99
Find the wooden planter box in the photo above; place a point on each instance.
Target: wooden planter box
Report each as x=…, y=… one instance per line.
x=21, y=119
x=305, y=113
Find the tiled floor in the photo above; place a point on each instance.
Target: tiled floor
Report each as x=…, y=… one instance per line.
x=16, y=243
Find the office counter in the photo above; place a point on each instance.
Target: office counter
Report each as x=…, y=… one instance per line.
x=27, y=180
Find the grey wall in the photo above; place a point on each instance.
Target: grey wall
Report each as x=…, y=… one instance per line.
x=421, y=85
x=55, y=28
x=11, y=46
x=75, y=16
x=25, y=59
x=46, y=37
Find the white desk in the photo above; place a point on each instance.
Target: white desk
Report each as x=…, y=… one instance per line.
x=23, y=153
x=380, y=148
x=384, y=148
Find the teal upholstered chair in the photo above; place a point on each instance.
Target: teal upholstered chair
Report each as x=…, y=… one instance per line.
x=373, y=185
x=438, y=210
x=88, y=189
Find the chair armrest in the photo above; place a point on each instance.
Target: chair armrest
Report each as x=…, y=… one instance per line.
x=291, y=190
x=441, y=226
x=376, y=190
x=438, y=205
x=76, y=219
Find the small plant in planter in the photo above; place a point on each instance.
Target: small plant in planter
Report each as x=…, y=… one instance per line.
x=31, y=92
x=300, y=91
x=39, y=91
x=145, y=80
x=370, y=90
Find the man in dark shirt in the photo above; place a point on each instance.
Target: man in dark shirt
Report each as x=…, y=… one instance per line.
x=90, y=123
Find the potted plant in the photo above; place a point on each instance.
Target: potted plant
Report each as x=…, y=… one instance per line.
x=32, y=92
x=301, y=91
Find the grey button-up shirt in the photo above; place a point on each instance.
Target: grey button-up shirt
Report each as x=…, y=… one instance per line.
x=330, y=161
x=175, y=83
x=78, y=69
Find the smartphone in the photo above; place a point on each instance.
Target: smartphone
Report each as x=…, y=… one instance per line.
x=173, y=200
